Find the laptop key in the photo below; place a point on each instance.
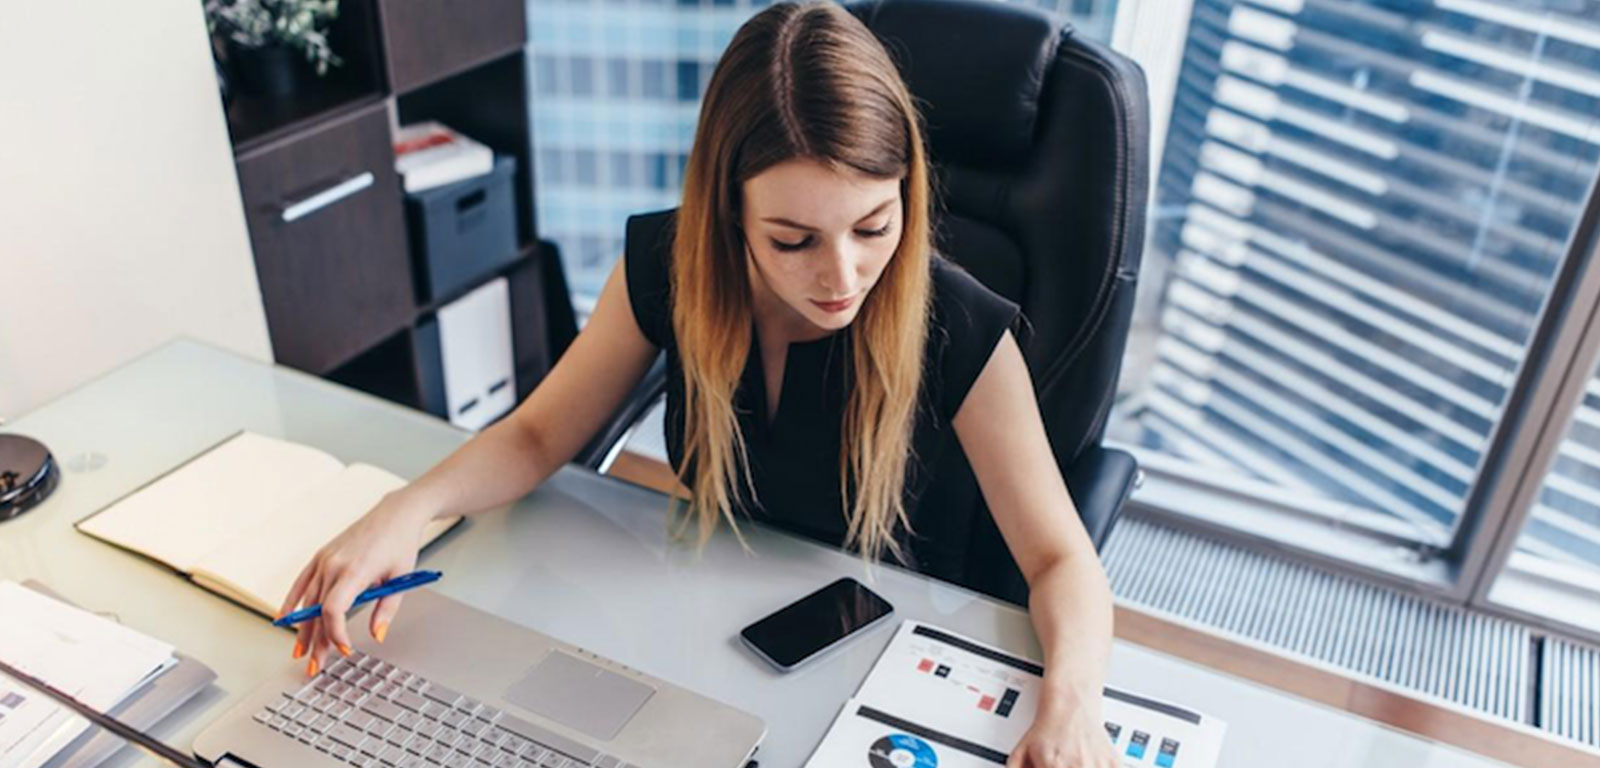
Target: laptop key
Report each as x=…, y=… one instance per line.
x=550, y=739
x=437, y=753
x=382, y=709
x=348, y=735
x=408, y=700
x=441, y=694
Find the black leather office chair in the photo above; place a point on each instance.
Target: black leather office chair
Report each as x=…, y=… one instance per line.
x=1040, y=143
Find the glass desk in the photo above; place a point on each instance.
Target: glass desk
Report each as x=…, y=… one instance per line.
x=585, y=558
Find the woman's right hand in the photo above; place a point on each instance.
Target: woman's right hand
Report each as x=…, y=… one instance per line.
x=381, y=545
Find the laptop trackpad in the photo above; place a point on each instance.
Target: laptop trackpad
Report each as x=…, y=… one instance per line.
x=580, y=695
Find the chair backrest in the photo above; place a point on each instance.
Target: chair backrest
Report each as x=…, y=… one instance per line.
x=1039, y=139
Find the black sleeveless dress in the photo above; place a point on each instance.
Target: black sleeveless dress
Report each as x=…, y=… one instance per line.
x=794, y=456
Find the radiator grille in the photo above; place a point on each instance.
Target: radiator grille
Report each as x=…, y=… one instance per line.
x=1475, y=660
x=1569, y=686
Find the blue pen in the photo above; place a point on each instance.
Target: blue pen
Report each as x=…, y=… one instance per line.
x=396, y=584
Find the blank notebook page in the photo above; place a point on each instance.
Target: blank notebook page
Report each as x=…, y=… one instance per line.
x=202, y=505
x=261, y=563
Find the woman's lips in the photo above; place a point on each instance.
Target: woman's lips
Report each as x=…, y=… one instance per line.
x=834, y=306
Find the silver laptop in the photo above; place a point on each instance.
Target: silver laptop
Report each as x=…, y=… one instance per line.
x=454, y=687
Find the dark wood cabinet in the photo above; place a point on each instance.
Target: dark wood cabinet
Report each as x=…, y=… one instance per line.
x=325, y=207
x=429, y=40
x=330, y=241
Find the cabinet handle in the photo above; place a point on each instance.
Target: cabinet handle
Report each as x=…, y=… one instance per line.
x=300, y=209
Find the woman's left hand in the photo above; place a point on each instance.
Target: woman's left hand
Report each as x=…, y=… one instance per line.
x=1065, y=737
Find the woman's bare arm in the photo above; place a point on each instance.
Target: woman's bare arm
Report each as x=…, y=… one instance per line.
x=497, y=466
x=1003, y=437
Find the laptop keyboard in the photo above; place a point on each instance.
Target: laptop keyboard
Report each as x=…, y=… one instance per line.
x=372, y=714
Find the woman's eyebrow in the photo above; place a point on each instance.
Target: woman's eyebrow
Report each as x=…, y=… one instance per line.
x=779, y=220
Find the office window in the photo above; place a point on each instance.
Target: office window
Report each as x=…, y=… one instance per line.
x=581, y=70
x=586, y=168
x=1554, y=570
x=621, y=164
x=617, y=78
x=653, y=79
x=587, y=53
x=1359, y=210
x=689, y=81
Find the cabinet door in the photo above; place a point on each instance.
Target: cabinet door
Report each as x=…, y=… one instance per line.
x=428, y=40
x=329, y=236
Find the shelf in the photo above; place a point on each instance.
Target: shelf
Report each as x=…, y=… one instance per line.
x=524, y=256
x=255, y=122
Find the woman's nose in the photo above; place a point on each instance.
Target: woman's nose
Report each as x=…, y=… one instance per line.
x=838, y=271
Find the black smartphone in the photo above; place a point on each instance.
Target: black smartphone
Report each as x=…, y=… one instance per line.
x=816, y=623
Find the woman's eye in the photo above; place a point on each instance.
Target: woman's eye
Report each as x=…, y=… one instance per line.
x=879, y=232
x=783, y=246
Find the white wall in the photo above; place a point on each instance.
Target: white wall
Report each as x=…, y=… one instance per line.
x=120, y=220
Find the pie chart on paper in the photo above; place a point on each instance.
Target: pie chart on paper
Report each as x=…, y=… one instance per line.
x=898, y=750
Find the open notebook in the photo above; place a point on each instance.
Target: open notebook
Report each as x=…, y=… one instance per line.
x=243, y=518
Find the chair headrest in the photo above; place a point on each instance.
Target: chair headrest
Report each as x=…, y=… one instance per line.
x=976, y=68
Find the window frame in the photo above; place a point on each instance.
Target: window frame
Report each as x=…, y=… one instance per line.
x=1560, y=358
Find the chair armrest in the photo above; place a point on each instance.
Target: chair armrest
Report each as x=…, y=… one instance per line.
x=1100, y=481
x=602, y=448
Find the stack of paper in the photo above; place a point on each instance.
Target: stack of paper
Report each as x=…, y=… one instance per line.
x=938, y=700
x=93, y=659
x=430, y=154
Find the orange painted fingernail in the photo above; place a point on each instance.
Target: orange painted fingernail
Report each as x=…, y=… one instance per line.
x=299, y=649
x=382, y=632
x=311, y=667
x=344, y=649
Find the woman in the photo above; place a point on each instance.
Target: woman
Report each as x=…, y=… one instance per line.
x=819, y=354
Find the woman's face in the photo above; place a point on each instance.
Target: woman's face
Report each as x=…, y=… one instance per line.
x=819, y=239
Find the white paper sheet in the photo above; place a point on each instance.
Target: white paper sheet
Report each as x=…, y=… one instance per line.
x=968, y=701
x=91, y=658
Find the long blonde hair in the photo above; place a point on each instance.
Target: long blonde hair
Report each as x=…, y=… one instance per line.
x=801, y=81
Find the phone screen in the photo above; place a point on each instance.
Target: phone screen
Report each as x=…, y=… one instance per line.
x=816, y=621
